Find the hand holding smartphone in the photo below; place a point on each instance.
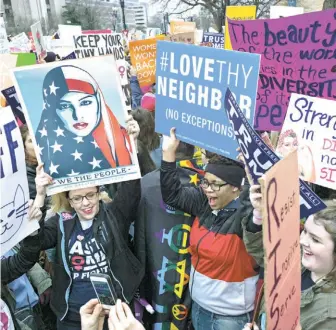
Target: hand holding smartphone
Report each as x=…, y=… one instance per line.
x=104, y=289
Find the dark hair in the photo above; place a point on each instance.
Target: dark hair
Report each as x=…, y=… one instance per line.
x=51, y=57
x=221, y=160
x=185, y=151
x=209, y=154
x=147, y=128
x=25, y=134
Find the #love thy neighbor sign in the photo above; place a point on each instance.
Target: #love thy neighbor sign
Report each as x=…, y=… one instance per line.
x=191, y=82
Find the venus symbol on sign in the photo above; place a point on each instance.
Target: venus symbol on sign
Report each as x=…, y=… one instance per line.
x=122, y=71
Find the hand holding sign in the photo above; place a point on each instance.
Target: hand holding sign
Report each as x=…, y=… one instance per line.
x=42, y=180
x=256, y=198
x=34, y=212
x=169, y=146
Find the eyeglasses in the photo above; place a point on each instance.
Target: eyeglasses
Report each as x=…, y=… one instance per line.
x=214, y=186
x=89, y=196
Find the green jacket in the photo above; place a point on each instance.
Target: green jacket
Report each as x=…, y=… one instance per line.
x=318, y=309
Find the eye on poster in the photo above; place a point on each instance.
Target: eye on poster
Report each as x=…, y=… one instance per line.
x=191, y=82
x=310, y=128
x=281, y=237
x=14, y=203
x=237, y=13
x=89, y=45
x=297, y=56
x=77, y=114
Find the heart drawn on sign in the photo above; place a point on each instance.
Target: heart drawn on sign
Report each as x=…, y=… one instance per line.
x=80, y=237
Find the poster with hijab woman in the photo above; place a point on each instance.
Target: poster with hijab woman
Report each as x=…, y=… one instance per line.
x=77, y=113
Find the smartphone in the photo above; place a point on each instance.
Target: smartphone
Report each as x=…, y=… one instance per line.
x=104, y=289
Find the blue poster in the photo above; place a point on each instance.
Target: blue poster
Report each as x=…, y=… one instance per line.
x=13, y=101
x=216, y=39
x=191, y=82
x=77, y=114
x=259, y=157
x=71, y=56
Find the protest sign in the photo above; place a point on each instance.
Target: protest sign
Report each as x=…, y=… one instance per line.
x=66, y=33
x=14, y=203
x=21, y=42
x=310, y=127
x=298, y=54
x=216, y=39
x=281, y=237
x=76, y=112
x=88, y=45
x=24, y=59
x=190, y=85
x=13, y=101
x=97, y=31
x=4, y=44
x=237, y=13
x=143, y=57
x=105, y=44
x=186, y=37
x=182, y=27
x=285, y=11
x=37, y=34
x=259, y=157
x=71, y=56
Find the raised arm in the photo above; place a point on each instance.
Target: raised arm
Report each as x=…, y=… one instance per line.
x=188, y=199
x=252, y=227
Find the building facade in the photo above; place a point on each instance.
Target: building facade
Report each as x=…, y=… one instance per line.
x=308, y=5
x=20, y=14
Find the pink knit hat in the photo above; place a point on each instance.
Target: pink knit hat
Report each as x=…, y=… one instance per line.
x=148, y=102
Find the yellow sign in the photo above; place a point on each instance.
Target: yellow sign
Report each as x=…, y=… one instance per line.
x=238, y=13
x=182, y=27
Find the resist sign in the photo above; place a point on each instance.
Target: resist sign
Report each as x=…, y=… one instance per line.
x=298, y=55
x=281, y=236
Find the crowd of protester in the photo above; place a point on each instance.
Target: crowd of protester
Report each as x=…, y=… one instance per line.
x=42, y=289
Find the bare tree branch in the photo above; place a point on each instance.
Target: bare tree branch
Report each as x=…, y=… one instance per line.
x=217, y=7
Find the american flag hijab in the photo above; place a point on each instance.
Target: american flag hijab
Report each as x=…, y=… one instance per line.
x=72, y=101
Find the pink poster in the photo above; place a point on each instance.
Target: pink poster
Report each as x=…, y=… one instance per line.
x=298, y=55
x=96, y=31
x=281, y=237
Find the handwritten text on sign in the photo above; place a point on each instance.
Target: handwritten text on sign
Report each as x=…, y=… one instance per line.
x=298, y=56
x=191, y=83
x=90, y=45
x=259, y=157
x=281, y=238
x=310, y=125
x=14, y=186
